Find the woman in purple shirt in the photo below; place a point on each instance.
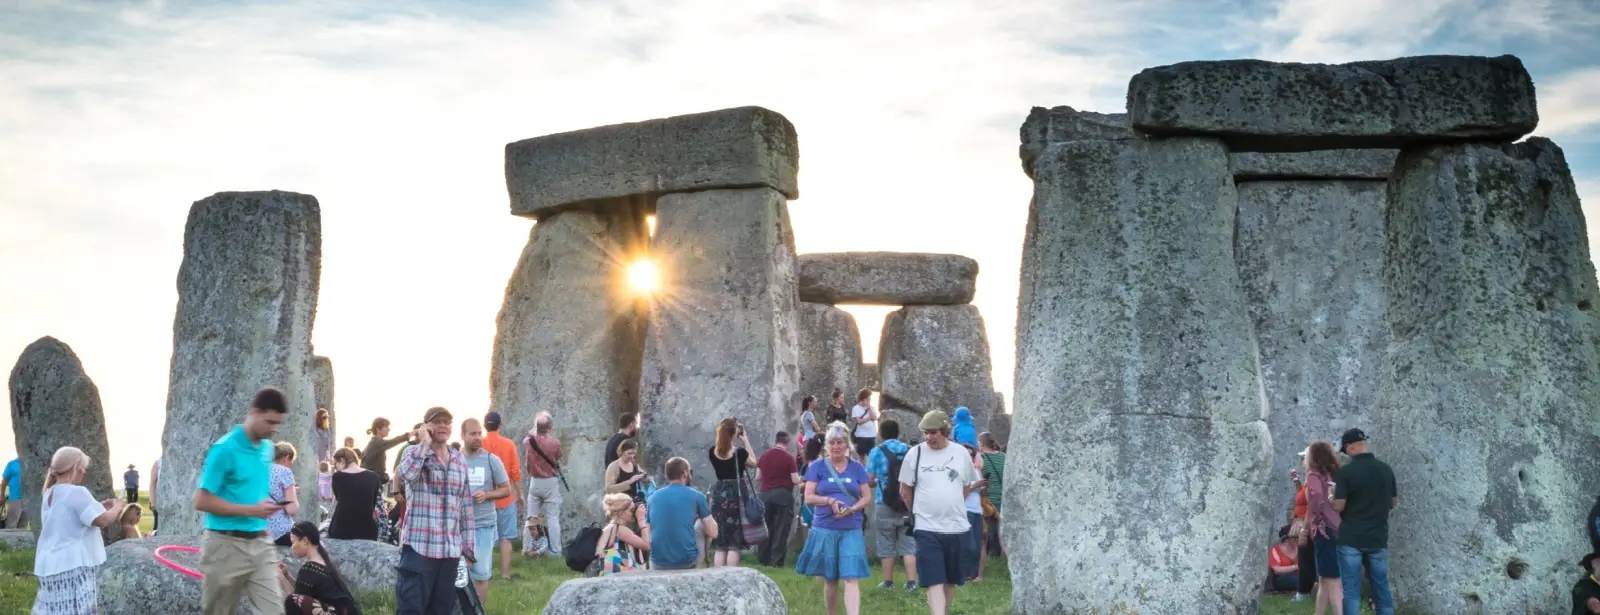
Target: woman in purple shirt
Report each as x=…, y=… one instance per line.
x=835, y=548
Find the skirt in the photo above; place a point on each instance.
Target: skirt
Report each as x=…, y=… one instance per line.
x=725, y=509
x=834, y=555
x=73, y=592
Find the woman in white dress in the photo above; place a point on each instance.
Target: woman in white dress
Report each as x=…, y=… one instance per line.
x=70, y=549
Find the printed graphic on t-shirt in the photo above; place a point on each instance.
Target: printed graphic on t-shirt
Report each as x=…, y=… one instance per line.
x=478, y=476
x=942, y=468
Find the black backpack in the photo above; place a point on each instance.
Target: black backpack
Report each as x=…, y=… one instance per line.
x=891, y=486
x=580, y=550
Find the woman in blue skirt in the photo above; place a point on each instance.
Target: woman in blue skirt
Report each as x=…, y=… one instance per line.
x=835, y=548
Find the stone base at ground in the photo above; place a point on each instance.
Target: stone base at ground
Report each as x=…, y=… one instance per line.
x=18, y=539
x=712, y=591
x=133, y=582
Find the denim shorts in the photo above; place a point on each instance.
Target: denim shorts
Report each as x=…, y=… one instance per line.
x=1327, y=557
x=505, y=521
x=483, y=539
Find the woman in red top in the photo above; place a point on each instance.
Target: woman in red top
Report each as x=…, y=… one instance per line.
x=1282, y=559
x=1305, y=555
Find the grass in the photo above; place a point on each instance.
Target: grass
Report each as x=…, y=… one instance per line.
x=537, y=579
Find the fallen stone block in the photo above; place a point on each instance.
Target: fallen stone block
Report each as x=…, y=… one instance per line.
x=709, y=591
x=134, y=582
x=1139, y=364
x=1063, y=123
x=745, y=147
x=55, y=404
x=1324, y=164
x=1254, y=105
x=18, y=539
x=887, y=278
x=1492, y=376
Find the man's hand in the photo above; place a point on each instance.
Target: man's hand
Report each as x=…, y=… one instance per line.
x=467, y=553
x=283, y=569
x=265, y=509
x=478, y=497
x=421, y=434
x=1593, y=605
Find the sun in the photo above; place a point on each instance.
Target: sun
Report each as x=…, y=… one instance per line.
x=643, y=277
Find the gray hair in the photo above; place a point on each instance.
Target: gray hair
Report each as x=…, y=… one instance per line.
x=838, y=431
x=541, y=423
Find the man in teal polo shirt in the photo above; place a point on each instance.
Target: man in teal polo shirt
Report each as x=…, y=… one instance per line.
x=236, y=558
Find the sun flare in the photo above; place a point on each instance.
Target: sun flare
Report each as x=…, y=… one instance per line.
x=643, y=277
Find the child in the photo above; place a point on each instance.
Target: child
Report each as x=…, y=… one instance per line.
x=129, y=521
x=325, y=482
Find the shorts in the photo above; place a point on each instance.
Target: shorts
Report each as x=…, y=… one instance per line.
x=889, y=528
x=864, y=445
x=483, y=540
x=939, y=559
x=505, y=522
x=1327, y=557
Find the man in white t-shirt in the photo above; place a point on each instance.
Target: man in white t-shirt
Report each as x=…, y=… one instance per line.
x=934, y=482
x=865, y=419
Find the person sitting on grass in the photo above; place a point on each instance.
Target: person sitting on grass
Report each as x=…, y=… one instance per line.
x=1284, y=560
x=318, y=589
x=128, y=521
x=618, y=546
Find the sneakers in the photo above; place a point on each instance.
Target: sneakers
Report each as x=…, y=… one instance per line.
x=886, y=585
x=1298, y=597
x=911, y=586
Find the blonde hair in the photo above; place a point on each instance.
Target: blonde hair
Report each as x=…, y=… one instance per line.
x=65, y=461
x=134, y=510
x=283, y=450
x=615, y=503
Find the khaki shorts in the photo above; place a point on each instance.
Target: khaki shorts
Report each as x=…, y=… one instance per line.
x=892, y=531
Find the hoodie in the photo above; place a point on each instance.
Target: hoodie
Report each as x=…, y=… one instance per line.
x=964, y=432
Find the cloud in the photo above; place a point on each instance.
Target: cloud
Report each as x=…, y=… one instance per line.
x=1569, y=104
x=1314, y=31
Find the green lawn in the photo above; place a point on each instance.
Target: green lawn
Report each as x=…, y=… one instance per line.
x=537, y=579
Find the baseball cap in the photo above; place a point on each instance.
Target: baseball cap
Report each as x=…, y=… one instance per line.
x=491, y=420
x=1588, y=558
x=1351, y=436
x=436, y=412
x=936, y=419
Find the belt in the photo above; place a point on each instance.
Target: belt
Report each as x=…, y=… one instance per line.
x=240, y=534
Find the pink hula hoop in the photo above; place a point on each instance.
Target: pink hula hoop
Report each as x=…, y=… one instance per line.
x=175, y=566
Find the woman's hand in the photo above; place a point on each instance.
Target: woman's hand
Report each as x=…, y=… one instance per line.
x=639, y=515
x=636, y=478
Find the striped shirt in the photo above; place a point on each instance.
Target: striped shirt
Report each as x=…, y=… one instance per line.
x=994, y=469
x=438, y=522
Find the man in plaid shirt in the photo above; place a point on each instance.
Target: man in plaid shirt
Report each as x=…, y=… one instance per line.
x=437, y=529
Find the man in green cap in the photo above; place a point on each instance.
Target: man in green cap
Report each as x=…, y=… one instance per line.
x=934, y=483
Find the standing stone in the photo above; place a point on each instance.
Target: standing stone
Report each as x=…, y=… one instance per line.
x=569, y=341
x=936, y=357
x=1323, y=164
x=830, y=354
x=869, y=375
x=55, y=404
x=1486, y=409
x=1263, y=106
x=1138, y=392
x=247, y=295
x=322, y=385
x=1063, y=123
x=1311, y=257
x=1000, y=427
x=723, y=338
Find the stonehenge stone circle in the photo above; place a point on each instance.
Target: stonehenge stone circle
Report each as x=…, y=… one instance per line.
x=1491, y=380
x=55, y=404
x=1310, y=254
x=708, y=591
x=570, y=339
x=19, y=539
x=723, y=333
x=745, y=147
x=1000, y=427
x=247, y=296
x=133, y=582
x=887, y=278
x=1063, y=123
x=871, y=378
x=1254, y=105
x=936, y=357
x=1322, y=164
x=1137, y=389
x=830, y=356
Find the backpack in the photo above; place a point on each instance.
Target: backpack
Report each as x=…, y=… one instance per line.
x=891, y=486
x=580, y=550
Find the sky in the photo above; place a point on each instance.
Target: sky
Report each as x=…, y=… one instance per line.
x=116, y=116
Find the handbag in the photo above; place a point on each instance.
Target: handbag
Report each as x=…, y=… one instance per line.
x=989, y=511
x=754, y=529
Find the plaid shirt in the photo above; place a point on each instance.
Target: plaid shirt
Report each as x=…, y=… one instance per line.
x=438, y=522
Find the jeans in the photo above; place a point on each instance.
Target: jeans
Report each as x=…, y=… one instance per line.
x=544, y=500
x=779, y=518
x=423, y=585
x=1376, y=561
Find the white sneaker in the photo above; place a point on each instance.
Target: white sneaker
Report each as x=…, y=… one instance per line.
x=1298, y=597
